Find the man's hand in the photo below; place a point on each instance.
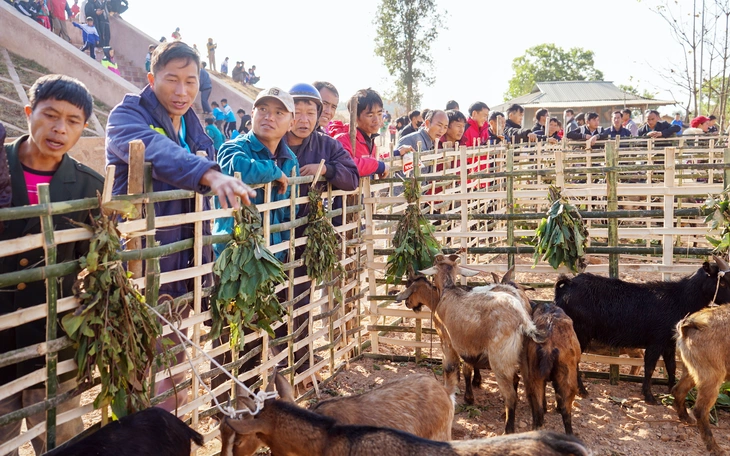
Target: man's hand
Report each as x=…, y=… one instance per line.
x=654, y=134
x=593, y=139
x=532, y=137
x=284, y=183
x=386, y=171
x=404, y=150
x=227, y=188
x=311, y=169
x=552, y=140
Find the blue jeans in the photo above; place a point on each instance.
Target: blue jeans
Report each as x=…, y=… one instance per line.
x=204, y=95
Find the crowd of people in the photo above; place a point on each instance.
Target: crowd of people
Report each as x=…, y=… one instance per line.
x=238, y=72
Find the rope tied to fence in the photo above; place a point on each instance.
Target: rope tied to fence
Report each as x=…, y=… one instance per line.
x=227, y=409
x=720, y=275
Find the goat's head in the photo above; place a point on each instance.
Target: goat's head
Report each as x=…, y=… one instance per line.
x=713, y=282
x=238, y=436
x=445, y=269
x=420, y=292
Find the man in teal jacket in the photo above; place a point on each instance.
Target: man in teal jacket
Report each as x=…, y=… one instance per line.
x=262, y=157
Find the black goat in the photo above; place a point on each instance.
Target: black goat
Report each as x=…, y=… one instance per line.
x=152, y=431
x=635, y=315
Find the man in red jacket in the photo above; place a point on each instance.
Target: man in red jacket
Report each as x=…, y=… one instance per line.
x=477, y=128
x=58, y=18
x=369, y=117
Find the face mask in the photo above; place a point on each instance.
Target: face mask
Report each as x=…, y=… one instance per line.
x=418, y=124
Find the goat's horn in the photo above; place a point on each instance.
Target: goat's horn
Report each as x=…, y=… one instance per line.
x=721, y=263
x=403, y=295
x=430, y=271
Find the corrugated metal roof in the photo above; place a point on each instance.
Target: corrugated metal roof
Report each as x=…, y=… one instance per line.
x=578, y=93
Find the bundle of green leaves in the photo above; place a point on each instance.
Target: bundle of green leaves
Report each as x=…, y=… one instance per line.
x=320, y=253
x=718, y=219
x=414, y=242
x=562, y=237
x=248, y=275
x=112, y=330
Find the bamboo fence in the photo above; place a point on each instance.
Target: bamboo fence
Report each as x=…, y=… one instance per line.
x=335, y=332
x=640, y=199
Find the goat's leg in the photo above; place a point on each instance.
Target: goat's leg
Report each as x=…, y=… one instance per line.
x=477, y=382
x=679, y=392
x=706, y=397
x=451, y=366
x=564, y=396
x=584, y=342
x=504, y=381
x=650, y=359
x=468, y=391
x=535, y=390
x=635, y=353
x=670, y=362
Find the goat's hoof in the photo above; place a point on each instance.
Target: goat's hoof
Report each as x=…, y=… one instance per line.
x=650, y=399
x=686, y=418
x=469, y=400
x=582, y=392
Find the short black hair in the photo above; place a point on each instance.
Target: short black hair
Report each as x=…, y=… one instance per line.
x=554, y=119
x=653, y=111
x=540, y=113
x=413, y=114
x=209, y=120
x=319, y=85
x=591, y=116
x=452, y=104
x=214, y=103
x=626, y=111
x=61, y=88
x=478, y=106
x=580, y=116
x=713, y=117
x=569, y=111
x=203, y=64
x=515, y=108
x=424, y=113
x=366, y=99
x=224, y=100
x=432, y=113
x=240, y=111
x=494, y=115
x=616, y=112
x=455, y=116
x=174, y=50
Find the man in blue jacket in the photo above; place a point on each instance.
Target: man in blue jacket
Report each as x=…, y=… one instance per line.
x=162, y=117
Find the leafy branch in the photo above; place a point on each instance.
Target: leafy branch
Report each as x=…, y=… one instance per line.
x=719, y=219
x=561, y=237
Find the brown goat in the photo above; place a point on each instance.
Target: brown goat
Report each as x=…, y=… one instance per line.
x=703, y=345
x=556, y=360
x=602, y=349
x=475, y=325
x=289, y=430
x=417, y=404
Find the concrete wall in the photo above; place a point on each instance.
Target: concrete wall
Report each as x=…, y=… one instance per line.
x=89, y=151
x=131, y=43
x=27, y=38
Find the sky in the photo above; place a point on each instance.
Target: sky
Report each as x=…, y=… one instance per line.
x=303, y=41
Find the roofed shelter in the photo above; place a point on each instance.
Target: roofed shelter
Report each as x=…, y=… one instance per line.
x=602, y=97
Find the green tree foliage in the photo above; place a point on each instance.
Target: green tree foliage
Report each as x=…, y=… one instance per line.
x=406, y=29
x=547, y=62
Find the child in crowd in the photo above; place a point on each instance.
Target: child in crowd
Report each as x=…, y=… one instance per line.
x=214, y=133
x=218, y=115
x=108, y=61
x=148, y=60
x=229, y=119
x=224, y=66
x=91, y=36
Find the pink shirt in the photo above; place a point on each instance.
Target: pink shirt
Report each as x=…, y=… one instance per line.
x=32, y=179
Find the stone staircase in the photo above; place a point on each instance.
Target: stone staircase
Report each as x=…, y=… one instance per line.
x=131, y=72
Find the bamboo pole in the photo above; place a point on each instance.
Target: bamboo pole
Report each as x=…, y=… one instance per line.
x=417, y=174
x=611, y=184
x=667, y=239
x=50, y=251
x=290, y=286
x=135, y=185
x=510, y=206
x=197, y=288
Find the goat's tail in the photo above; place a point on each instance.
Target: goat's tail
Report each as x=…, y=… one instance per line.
x=196, y=437
x=530, y=330
x=546, y=359
x=696, y=321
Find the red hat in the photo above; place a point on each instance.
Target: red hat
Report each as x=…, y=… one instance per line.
x=699, y=120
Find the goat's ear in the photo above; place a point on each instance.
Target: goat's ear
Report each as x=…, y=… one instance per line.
x=270, y=388
x=454, y=258
x=495, y=277
x=507, y=277
x=439, y=259
x=468, y=272
x=405, y=294
x=432, y=270
x=243, y=401
x=246, y=427
x=284, y=389
x=707, y=268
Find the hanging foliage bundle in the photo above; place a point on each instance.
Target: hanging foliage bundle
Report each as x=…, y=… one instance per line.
x=320, y=253
x=112, y=330
x=415, y=245
x=718, y=219
x=248, y=274
x=562, y=237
